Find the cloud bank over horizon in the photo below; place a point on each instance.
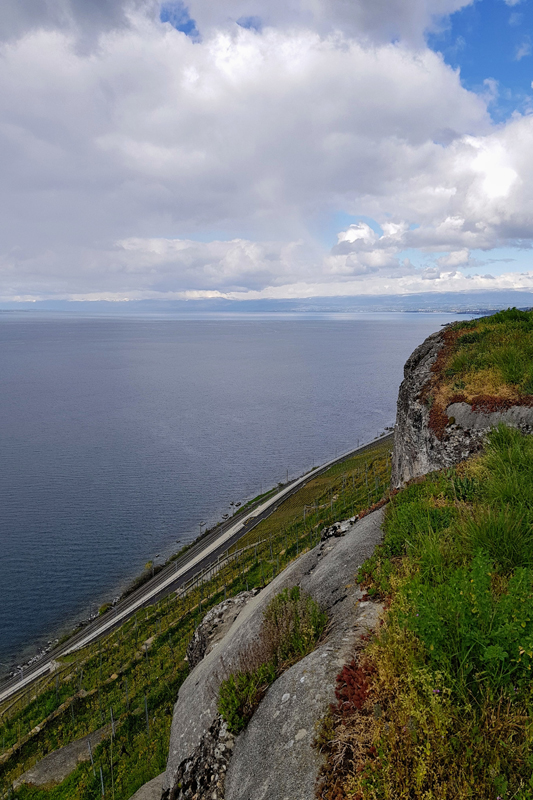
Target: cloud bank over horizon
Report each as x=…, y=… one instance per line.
x=304, y=149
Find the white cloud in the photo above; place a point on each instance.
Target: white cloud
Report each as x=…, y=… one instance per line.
x=523, y=49
x=457, y=258
x=380, y=21
x=150, y=165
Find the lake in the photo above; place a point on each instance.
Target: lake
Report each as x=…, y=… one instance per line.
x=120, y=436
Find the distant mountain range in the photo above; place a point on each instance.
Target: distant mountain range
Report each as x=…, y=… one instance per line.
x=453, y=302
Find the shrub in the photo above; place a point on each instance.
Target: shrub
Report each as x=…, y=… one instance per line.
x=292, y=626
x=241, y=693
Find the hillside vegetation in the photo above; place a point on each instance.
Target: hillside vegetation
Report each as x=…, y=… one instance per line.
x=487, y=362
x=129, y=680
x=440, y=703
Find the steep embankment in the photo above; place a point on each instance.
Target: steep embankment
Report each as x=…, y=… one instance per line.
x=444, y=701
x=459, y=383
x=451, y=662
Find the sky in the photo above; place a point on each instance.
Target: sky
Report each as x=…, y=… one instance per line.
x=252, y=150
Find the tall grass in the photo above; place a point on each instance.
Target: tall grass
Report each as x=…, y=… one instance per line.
x=492, y=355
x=451, y=669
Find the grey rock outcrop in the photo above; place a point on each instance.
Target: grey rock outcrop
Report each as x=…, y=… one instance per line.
x=56, y=766
x=337, y=529
x=480, y=421
x=215, y=625
x=151, y=790
x=273, y=758
x=204, y=773
x=417, y=448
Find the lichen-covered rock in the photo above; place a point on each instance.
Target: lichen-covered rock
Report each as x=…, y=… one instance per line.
x=288, y=765
x=416, y=449
x=337, y=529
x=464, y=417
x=203, y=775
x=215, y=625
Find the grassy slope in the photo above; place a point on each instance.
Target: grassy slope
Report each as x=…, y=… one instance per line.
x=486, y=362
x=441, y=705
x=140, y=667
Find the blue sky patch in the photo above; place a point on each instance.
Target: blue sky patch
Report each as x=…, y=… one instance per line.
x=252, y=23
x=492, y=39
x=178, y=15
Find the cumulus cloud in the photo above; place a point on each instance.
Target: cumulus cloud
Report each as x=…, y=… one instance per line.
x=153, y=163
x=381, y=21
x=86, y=19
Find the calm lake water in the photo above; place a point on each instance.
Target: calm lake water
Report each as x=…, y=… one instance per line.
x=119, y=436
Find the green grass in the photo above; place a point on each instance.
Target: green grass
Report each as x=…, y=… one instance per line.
x=492, y=355
x=118, y=673
x=293, y=625
x=451, y=669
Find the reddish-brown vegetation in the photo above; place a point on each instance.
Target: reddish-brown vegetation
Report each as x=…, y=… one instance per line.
x=346, y=736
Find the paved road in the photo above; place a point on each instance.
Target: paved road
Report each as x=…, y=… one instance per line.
x=205, y=551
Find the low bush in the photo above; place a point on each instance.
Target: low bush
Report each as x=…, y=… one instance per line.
x=292, y=626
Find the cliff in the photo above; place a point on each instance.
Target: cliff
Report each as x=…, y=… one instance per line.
x=437, y=423
x=458, y=384
x=417, y=448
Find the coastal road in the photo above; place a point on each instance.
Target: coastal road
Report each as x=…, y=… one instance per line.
x=203, y=552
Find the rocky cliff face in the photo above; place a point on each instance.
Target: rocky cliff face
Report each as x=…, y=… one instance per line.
x=426, y=438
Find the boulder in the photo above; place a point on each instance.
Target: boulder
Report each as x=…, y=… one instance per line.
x=151, y=790
x=274, y=758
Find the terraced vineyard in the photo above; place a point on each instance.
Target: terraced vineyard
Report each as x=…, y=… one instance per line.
x=128, y=681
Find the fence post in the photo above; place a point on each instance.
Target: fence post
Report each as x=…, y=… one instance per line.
x=146, y=714
x=91, y=756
